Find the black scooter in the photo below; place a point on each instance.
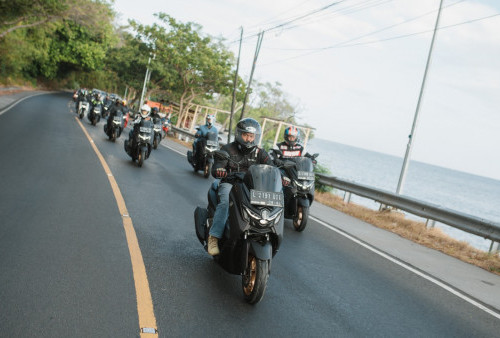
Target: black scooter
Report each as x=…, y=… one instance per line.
x=204, y=154
x=254, y=229
x=139, y=148
x=94, y=114
x=113, y=129
x=157, y=132
x=299, y=195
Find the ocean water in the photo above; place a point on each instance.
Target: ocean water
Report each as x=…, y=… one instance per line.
x=471, y=194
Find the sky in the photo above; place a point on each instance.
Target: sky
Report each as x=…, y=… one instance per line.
x=354, y=68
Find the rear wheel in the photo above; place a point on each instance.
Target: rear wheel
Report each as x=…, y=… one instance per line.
x=254, y=279
x=300, y=220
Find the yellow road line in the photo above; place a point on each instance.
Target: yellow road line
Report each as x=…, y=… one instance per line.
x=147, y=320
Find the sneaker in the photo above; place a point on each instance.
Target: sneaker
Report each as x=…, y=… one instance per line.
x=213, y=246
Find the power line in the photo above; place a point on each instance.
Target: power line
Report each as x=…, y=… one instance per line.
x=371, y=33
x=343, y=44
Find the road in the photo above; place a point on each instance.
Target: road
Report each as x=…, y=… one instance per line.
x=65, y=256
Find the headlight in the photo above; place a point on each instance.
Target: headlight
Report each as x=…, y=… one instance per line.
x=145, y=138
x=264, y=219
x=305, y=186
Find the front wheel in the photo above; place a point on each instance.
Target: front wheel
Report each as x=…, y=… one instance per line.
x=300, y=220
x=208, y=169
x=254, y=280
x=155, y=142
x=81, y=114
x=113, y=135
x=140, y=159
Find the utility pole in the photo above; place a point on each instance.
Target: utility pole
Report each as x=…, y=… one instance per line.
x=146, y=80
x=234, y=90
x=411, y=137
x=257, y=50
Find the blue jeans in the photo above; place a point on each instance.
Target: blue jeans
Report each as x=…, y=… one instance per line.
x=221, y=211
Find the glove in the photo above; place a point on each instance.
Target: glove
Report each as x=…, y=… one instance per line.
x=285, y=181
x=220, y=173
x=278, y=162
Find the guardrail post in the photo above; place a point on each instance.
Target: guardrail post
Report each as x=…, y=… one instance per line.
x=430, y=223
x=494, y=247
x=347, y=197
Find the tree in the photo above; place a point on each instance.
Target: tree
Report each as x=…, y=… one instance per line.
x=19, y=14
x=190, y=65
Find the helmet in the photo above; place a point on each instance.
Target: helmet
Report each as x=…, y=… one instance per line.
x=245, y=126
x=210, y=120
x=145, y=110
x=154, y=110
x=124, y=102
x=289, y=133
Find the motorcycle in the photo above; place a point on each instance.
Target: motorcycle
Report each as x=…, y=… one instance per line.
x=299, y=195
x=94, y=114
x=83, y=108
x=105, y=109
x=157, y=132
x=254, y=229
x=204, y=154
x=115, y=127
x=140, y=149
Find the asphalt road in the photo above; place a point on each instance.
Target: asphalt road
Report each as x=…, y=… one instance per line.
x=65, y=266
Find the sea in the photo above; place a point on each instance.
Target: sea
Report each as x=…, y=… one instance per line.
x=460, y=191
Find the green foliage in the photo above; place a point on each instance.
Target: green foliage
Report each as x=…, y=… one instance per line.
x=319, y=169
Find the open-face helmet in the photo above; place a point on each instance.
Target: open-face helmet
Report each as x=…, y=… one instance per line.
x=210, y=120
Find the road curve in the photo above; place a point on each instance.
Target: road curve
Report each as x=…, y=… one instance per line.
x=65, y=266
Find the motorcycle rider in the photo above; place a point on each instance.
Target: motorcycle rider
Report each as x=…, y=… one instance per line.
x=82, y=96
x=144, y=115
x=245, y=151
x=118, y=105
x=203, y=132
x=290, y=146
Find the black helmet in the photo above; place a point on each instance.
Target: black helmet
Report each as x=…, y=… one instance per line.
x=251, y=126
x=154, y=110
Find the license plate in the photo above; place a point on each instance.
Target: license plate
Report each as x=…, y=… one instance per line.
x=305, y=175
x=145, y=130
x=117, y=119
x=266, y=198
x=212, y=143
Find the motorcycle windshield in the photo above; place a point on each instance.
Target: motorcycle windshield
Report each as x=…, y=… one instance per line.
x=263, y=177
x=304, y=164
x=212, y=139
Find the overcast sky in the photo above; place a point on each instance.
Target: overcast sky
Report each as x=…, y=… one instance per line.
x=355, y=68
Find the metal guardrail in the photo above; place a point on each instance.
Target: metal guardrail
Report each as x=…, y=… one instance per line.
x=471, y=224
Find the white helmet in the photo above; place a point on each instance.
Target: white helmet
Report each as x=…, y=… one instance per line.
x=145, y=110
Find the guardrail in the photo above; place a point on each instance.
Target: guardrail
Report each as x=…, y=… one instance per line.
x=471, y=224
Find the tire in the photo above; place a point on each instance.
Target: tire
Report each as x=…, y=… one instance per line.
x=300, y=220
x=208, y=169
x=254, y=279
x=155, y=142
x=80, y=114
x=140, y=158
x=94, y=121
x=113, y=135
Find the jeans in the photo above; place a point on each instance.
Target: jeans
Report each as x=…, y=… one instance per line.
x=221, y=211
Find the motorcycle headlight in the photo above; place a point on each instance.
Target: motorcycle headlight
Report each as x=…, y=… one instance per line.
x=265, y=218
x=304, y=186
x=145, y=138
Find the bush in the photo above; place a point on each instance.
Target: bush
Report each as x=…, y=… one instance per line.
x=319, y=169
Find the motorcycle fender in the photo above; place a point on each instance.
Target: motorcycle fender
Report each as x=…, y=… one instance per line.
x=211, y=160
x=263, y=252
x=304, y=202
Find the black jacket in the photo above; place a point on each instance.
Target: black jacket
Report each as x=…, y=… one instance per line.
x=291, y=151
x=245, y=160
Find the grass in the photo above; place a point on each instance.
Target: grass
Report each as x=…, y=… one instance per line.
x=415, y=231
